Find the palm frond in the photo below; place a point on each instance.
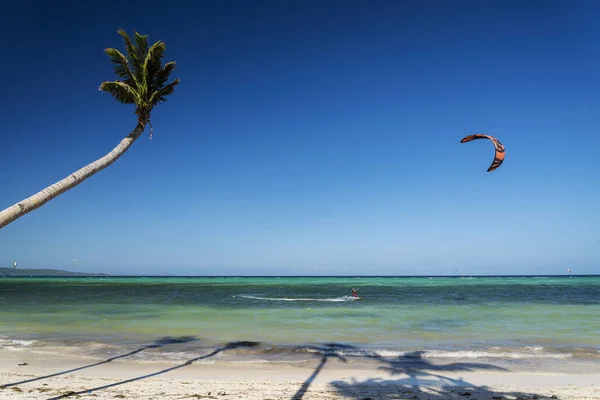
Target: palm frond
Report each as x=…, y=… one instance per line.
x=121, y=92
x=141, y=42
x=162, y=76
x=121, y=65
x=129, y=47
x=153, y=64
x=135, y=56
x=160, y=95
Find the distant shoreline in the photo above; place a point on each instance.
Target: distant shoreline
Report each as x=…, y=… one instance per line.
x=43, y=272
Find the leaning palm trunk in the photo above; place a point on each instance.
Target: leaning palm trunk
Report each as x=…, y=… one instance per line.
x=39, y=199
x=143, y=83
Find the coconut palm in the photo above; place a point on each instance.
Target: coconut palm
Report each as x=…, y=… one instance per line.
x=142, y=82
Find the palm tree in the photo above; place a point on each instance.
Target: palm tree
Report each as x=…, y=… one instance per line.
x=143, y=82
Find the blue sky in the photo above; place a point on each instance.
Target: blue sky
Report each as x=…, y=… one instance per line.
x=309, y=137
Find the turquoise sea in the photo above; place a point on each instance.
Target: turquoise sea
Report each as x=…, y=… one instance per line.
x=518, y=318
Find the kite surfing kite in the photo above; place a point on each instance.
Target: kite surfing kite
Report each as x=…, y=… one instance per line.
x=498, y=158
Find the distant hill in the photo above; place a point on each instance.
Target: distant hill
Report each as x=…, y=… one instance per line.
x=5, y=271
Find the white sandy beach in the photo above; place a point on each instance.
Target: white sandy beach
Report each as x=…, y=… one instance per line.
x=51, y=376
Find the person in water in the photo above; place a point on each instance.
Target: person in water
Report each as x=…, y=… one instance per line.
x=354, y=292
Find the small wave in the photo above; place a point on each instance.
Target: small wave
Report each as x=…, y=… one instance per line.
x=493, y=354
x=333, y=299
x=519, y=353
x=15, y=342
x=294, y=354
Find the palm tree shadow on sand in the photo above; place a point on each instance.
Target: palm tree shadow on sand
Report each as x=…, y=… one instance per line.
x=154, y=345
x=228, y=346
x=329, y=350
x=423, y=380
x=419, y=379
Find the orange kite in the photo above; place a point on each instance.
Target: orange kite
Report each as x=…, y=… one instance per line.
x=498, y=158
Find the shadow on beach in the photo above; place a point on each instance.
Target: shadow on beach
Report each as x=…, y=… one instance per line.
x=156, y=344
x=419, y=379
x=228, y=346
x=425, y=388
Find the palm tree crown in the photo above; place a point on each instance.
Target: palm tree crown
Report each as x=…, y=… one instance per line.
x=143, y=76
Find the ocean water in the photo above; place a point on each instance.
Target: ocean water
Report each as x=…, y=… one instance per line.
x=511, y=318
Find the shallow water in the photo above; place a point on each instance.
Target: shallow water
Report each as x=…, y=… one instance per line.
x=504, y=317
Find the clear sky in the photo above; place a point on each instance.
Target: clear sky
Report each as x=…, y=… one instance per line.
x=309, y=137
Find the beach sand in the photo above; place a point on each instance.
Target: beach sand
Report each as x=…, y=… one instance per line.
x=49, y=375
